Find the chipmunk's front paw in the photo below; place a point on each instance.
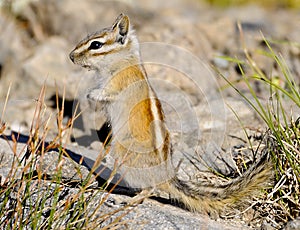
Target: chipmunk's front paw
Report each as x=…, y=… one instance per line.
x=100, y=95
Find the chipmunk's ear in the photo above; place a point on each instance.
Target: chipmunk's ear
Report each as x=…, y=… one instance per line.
x=121, y=27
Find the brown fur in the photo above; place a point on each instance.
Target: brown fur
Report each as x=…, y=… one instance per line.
x=215, y=199
x=136, y=137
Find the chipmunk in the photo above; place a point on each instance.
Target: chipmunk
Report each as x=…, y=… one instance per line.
x=140, y=139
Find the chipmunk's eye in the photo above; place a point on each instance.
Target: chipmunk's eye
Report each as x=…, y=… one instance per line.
x=95, y=45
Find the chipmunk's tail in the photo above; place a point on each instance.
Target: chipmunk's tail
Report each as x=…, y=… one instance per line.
x=213, y=198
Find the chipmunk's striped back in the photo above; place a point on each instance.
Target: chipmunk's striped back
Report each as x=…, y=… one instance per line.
x=140, y=138
x=141, y=143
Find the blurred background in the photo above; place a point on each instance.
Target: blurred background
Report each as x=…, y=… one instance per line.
x=36, y=37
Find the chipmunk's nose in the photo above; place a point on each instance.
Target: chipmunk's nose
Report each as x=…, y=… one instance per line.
x=71, y=55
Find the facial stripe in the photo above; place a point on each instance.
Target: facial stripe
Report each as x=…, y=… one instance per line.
x=108, y=47
x=104, y=52
x=84, y=45
x=100, y=34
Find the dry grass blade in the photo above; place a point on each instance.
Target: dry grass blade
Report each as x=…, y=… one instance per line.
x=2, y=123
x=29, y=198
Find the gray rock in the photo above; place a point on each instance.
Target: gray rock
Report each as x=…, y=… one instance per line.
x=13, y=49
x=152, y=215
x=293, y=225
x=220, y=62
x=50, y=65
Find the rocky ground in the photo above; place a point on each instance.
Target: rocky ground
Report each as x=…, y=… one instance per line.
x=181, y=44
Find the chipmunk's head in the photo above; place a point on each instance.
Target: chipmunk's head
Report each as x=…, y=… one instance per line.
x=103, y=49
